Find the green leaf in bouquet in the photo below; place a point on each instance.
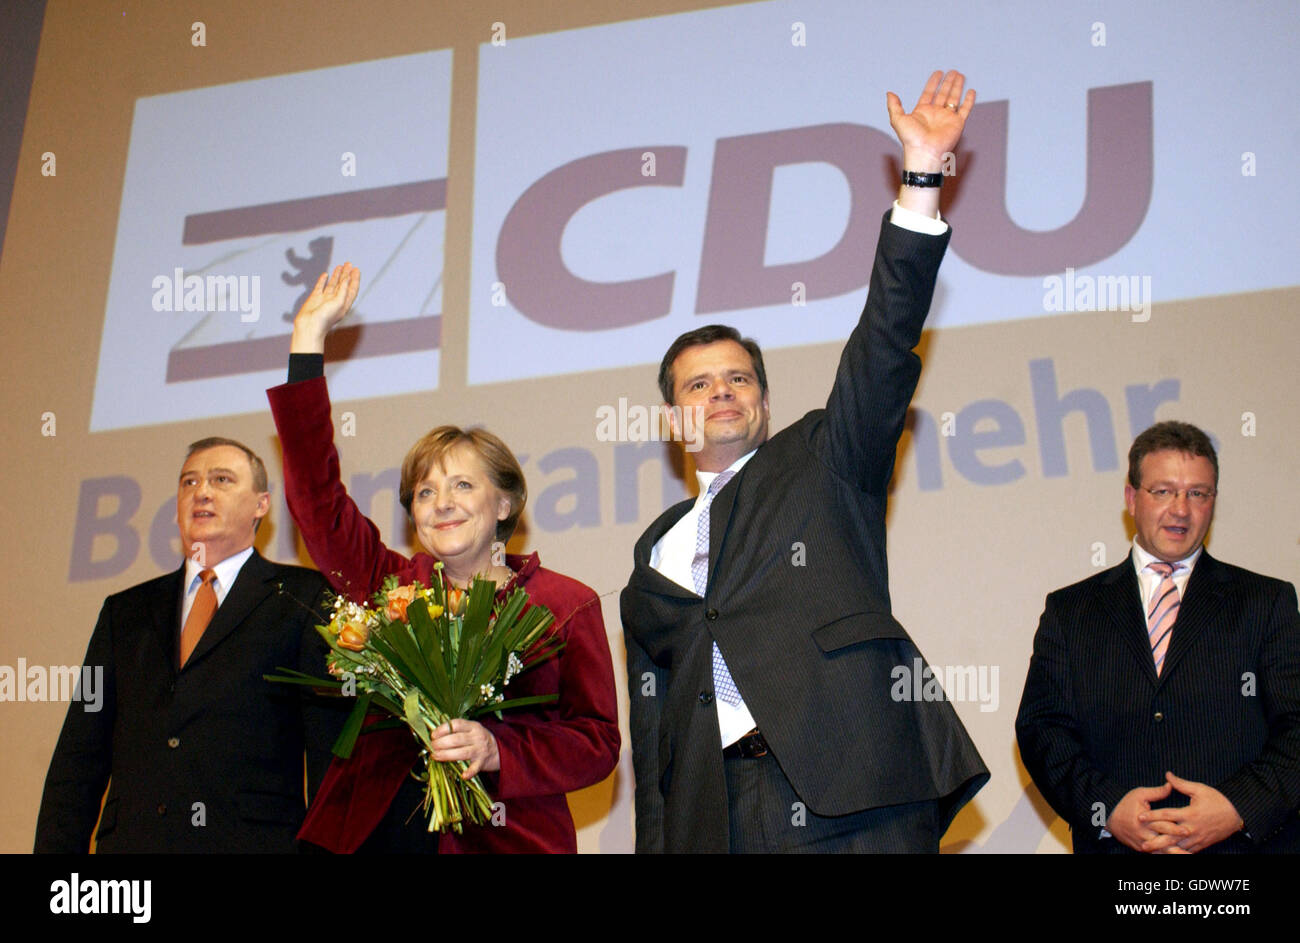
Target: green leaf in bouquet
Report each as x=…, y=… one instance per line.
x=392, y=706
x=474, y=629
x=324, y=632
x=449, y=640
x=514, y=606
x=380, y=597
x=482, y=594
x=541, y=650
x=385, y=651
x=395, y=643
x=414, y=720
x=290, y=676
x=513, y=702
x=532, y=637
x=347, y=738
x=453, y=639
x=424, y=631
x=436, y=587
x=501, y=641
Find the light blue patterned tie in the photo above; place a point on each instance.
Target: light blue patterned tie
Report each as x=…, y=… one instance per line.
x=723, y=686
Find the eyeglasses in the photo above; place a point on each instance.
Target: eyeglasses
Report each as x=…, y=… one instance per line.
x=1197, y=496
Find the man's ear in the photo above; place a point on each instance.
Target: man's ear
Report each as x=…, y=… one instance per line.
x=1130, y=500
x=674, y=416
x=263, y=508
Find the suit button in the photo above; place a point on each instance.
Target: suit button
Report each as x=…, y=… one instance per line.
x=711, y=615
x=162, y=808
x=1159, y=716
x=706, y=697
x=173, y=742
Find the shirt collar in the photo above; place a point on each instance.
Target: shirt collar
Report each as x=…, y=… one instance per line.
x=1142, y=559
x=226, y=570
x=706, y=478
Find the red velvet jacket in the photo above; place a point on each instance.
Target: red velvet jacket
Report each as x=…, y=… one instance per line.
x=545, y=752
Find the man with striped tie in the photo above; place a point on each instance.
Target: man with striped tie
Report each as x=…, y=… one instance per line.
x=1162, y=708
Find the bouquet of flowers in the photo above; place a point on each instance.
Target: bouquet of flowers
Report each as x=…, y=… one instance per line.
x=427, y=656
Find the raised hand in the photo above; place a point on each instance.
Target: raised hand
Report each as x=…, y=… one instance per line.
x=934, y=126
x=328, y=302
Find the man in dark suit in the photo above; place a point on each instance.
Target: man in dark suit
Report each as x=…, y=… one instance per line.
x=760, y=645
x=1162, y=708
x=204, y=754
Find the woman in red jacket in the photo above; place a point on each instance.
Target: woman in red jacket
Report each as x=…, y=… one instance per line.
x=464, y=492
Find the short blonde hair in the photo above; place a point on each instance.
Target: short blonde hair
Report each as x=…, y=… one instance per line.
x=503, y=468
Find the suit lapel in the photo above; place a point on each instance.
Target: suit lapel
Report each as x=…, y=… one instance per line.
x=165, y=617
x=724, y=502
x=1123, y=603
x=1200, y=603
x=644, y=577
x=252, y=586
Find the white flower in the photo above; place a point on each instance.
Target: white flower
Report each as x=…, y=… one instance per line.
x=513, y=667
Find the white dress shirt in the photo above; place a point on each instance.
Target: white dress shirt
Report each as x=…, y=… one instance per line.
x=226, y=572
x=1149, y=580
x=672, y=555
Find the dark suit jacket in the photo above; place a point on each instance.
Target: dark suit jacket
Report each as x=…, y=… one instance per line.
x=798, y=601
x=215, y=732
x=1095, y=721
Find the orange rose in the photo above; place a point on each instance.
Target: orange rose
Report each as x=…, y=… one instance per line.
x=455, y=601
x=353, y=636
x=398, y=600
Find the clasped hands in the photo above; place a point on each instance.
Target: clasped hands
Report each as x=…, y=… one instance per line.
x=1209, y=818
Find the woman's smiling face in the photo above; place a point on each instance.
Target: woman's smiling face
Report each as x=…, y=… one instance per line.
x=455, y=508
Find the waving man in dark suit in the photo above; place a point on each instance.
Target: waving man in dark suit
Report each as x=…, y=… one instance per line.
x=760, y=642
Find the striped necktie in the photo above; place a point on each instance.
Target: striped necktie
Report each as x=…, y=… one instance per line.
x=1162, y=612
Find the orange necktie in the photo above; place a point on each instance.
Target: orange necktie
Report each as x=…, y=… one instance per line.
x=205, y=604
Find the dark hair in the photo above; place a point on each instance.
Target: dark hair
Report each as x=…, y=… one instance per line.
x=710, y=334
x=1166, y=436
x=502, y=467
x=255, y=463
